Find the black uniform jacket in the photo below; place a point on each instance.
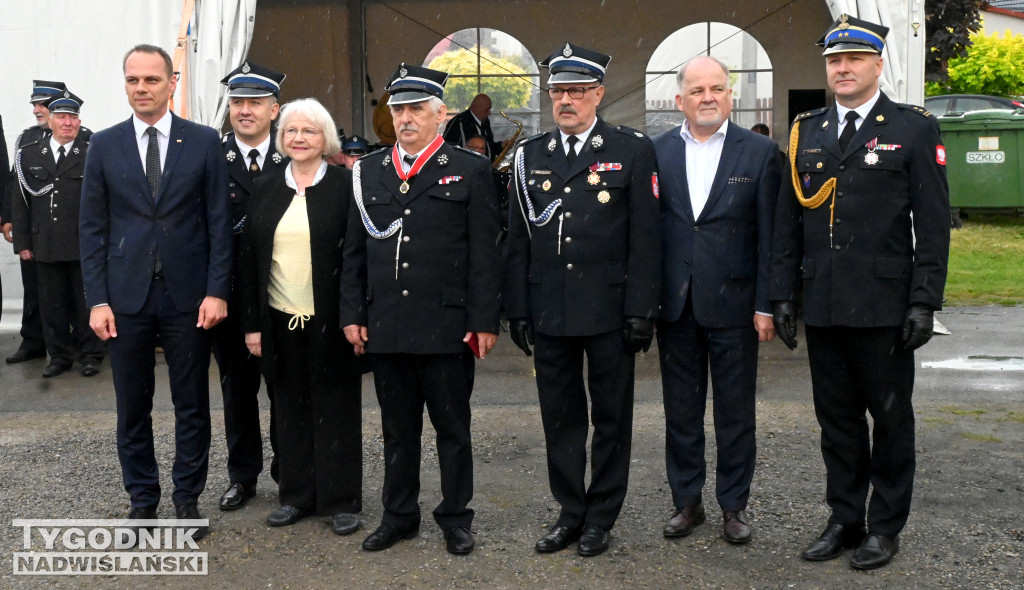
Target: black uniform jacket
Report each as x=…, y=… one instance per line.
x=47, y=224
x=327, y=205
x=598, y=259
x=869, y=270
x=420, y=290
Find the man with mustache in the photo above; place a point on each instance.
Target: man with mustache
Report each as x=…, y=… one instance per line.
x=421, y=293
x=584, y=271
x=862, y=226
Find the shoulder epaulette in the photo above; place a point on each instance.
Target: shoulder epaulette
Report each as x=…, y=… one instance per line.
x=227, y=136
x=468, y=151
x=807, y=114
x=375, y=152
x=531, y=138
x=629, y=131
x=916, y=109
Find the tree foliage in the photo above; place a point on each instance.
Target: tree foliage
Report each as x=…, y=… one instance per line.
x=949, y=26
x=992, y=65
x=506, y=93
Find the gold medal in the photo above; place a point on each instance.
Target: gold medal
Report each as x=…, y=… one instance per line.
x=604, y=196
x=594, y=178
x=404, y=187
x=546, y=186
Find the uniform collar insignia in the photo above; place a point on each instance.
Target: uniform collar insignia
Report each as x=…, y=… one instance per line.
x=387, y=160
x=231, y=155
x=276, y=157
x=442, y=160
x=74, y=151
x=45, y=151
x=596, y=142
x=552, y=144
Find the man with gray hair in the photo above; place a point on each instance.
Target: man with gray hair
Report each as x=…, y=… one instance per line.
x=421, y=295
x=719, y=184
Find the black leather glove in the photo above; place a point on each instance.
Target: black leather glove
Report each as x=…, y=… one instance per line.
x=918, y=326
x=521, y=332
x=638, y=334
x=784, y=318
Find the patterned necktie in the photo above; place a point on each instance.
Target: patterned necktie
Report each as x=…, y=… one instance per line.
x=61, y=152
x=571, y=154
x=254, y=164
x=153, y=162
x=848, y=131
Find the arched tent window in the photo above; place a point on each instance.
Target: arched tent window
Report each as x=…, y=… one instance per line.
x=494, y=63
x=749, y=67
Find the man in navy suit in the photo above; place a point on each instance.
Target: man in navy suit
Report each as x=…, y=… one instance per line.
x=719, y=184
x=155, y=237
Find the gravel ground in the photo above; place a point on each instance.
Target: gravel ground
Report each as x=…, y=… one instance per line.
x=966, y=529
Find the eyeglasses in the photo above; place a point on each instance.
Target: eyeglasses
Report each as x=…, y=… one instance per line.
x=307, y=133
x=575, y=92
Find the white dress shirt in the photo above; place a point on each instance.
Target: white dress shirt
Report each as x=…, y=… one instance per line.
x=163, y=136
x=702, y=164
x=55, y=146
x=245, y=148
x=582, y=137
x=862, y=112
x=402, y=154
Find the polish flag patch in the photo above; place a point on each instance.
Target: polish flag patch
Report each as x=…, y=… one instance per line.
x=654, y=184
x=940, y=154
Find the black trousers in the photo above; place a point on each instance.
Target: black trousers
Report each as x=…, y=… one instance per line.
x=853, y=371
x=404, y=383
x=563, y=408
x=64, y=317
x=318, y=426
x=132, y=362
x=31, y=323
x=686, y=350
x=240, y=386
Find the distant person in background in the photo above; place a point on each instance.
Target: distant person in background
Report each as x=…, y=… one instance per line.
x=473, y=121
x=32, y=344
x=250, y=152
x=46, y=232
x=5, y=183
x=762, y=129
x=290, y=277
x=353, y=148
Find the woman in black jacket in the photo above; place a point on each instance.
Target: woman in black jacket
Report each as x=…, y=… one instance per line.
x=290, y=268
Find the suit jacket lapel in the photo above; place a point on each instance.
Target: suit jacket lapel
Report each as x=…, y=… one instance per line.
x=175, y=144
x=731, y=153
x=236, y=167
x=676, y=176
x=828, y=134
x=557, y=162
x=133, y=159
x=47, y=158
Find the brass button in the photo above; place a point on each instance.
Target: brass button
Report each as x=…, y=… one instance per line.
x=568, y=266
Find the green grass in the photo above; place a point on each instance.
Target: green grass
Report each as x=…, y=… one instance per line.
x=935, y=420
x=986, y=262
x=980, y=437
x=961, y=411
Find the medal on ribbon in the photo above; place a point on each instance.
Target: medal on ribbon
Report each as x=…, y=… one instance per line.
x=421, y=161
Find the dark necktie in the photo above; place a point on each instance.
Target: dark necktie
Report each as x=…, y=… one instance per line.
x=254, y=163
x=61, y=152
x=571, y=154
x=848, y=131
x=153, y=162
x=409, y=159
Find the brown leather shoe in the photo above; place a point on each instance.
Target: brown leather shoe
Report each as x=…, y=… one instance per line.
x=684, y=521
x=735, y=526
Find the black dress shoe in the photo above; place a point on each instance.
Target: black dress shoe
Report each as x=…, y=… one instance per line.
x=344, y=523
x=23, y=355
x=684, y=521
x=285, y=516
x=191, y=512
x=874, y=552
x=735, y=527
x=593, y=541
x=558, y=538
x=140, y=513
x=385, y=536
x=90, y=368
x=236, y=496
x=831, y=543
x=459, y=541
x=54, y=369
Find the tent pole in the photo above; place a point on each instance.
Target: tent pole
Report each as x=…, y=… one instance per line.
x=179, y=53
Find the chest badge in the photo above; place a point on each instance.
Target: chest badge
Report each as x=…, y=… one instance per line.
x=546, y=186
x=807, y=180
x=871, y=158
x=594, y=178
x=604, y=196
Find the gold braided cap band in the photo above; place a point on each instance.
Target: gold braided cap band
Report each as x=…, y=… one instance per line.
x=823, y=193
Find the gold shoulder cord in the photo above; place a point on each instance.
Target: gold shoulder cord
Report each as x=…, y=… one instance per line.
x=823, y=193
